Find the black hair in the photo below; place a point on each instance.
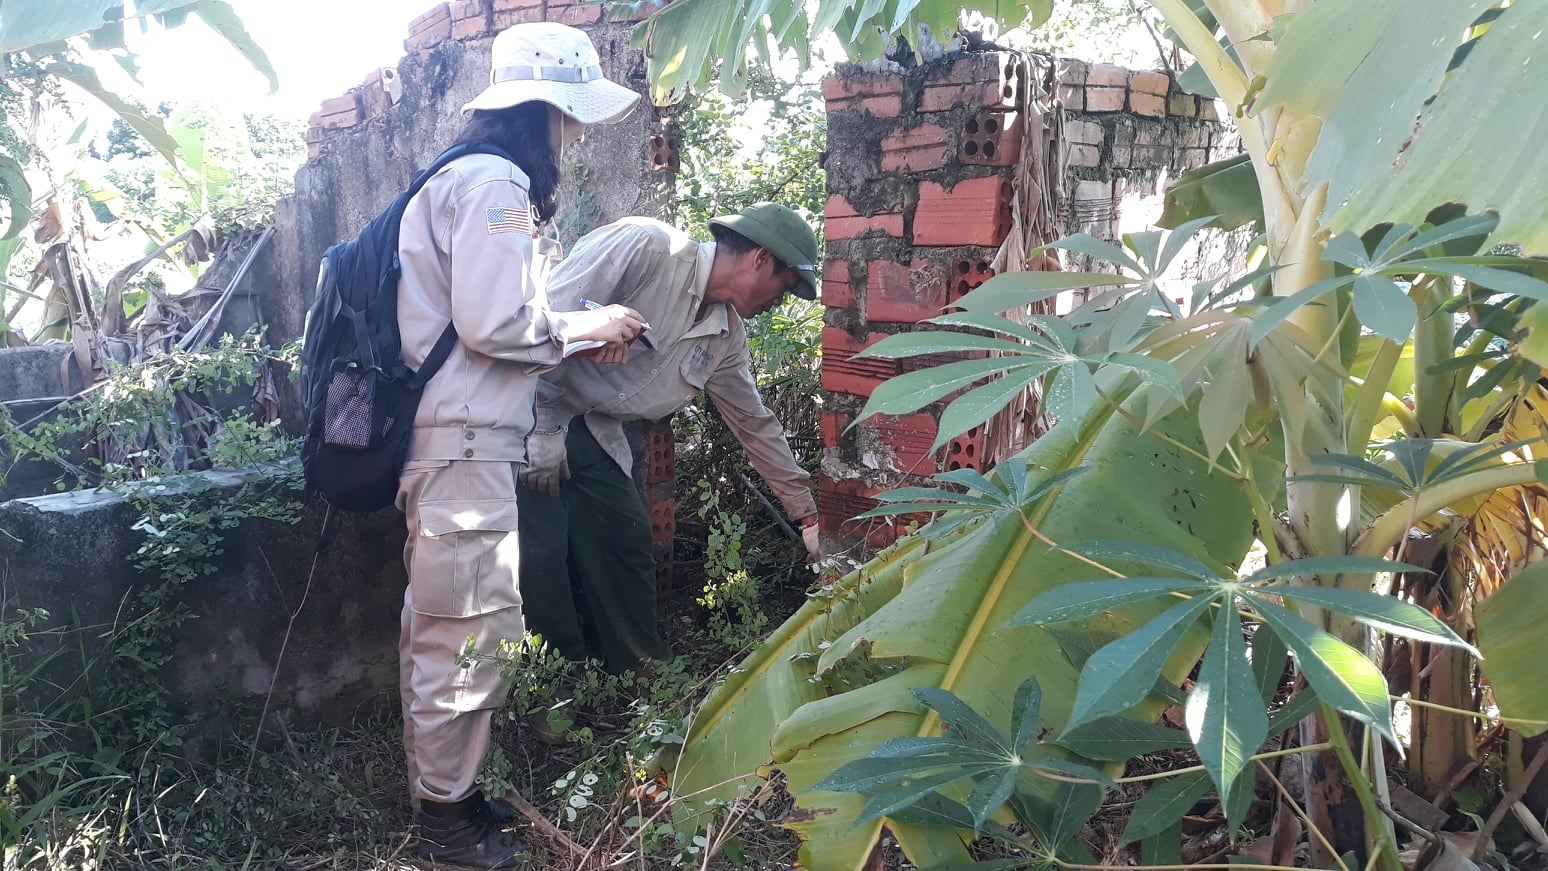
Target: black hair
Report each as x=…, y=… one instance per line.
x=732, y=242
x=522, y=130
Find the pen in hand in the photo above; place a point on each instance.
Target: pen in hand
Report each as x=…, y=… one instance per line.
x=644, y=327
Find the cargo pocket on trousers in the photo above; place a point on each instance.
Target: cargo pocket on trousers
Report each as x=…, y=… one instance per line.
x=466, y=558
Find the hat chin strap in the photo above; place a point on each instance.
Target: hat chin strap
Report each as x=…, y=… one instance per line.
x=533, y=73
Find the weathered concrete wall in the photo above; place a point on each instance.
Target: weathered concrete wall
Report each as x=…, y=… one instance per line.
x=32, y=381
x=320, y=627
x=366, y=145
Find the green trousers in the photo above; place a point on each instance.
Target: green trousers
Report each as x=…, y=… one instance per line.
x=588, y=580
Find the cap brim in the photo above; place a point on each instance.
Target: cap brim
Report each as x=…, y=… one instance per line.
x=807, y=289
x=595, y=102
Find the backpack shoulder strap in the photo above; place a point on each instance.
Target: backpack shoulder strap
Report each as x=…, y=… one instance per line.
x=443, y=345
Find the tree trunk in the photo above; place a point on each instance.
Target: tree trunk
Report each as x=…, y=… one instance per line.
x=1331, y=802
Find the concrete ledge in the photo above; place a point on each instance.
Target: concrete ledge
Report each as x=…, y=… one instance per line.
x=335, y=662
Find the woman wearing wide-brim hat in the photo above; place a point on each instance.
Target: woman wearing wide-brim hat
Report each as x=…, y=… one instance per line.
x=470, y=256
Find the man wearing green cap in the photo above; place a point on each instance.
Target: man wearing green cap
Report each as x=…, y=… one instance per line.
x=585, y=536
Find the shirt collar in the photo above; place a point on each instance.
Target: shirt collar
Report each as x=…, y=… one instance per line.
x=714, y=320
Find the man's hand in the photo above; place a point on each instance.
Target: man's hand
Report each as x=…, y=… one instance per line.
x=809, y=538
x=547, y=462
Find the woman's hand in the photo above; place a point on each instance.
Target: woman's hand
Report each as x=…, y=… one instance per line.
x=617, y=325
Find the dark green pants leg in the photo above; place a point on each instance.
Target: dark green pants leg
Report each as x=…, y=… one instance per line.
x=608, y=560
x=547, y=601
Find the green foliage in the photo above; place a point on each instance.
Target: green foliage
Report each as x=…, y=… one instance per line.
x=729, y=593
x=722, y=174
x=174, y=412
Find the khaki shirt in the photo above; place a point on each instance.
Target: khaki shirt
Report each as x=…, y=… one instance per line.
x=662, y=272
x=468, y=255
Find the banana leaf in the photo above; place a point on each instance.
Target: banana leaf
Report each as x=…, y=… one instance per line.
x=933, y=615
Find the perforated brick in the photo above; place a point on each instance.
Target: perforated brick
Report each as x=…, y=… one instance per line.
x=664, y=154
x=967, y=274
x=966, y=451
x=660, y=454
x=991, y=138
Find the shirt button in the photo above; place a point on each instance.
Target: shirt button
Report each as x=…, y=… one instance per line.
x=468, y=453
x=654, y=371
x=621, y=396
x=467, y=434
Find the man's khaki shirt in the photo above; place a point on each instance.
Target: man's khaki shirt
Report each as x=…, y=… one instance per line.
x=662, y=272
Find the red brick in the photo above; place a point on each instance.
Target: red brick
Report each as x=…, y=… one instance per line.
x=663, y=519
x=895, y=293
x=1085, y=155
x=1109, y=75
x=1071, y=72
x=879, y=94
x=838, y=290
x=314, y=133
x=1073, y=97
x=966, y=451
x=524, y=15
x=1211, y=110
x=833, y=424
x=1183, y=106
x=514, y=5
x=839, y=501
x=1104, y=99
x=341, y=120
x=974, y=212
x=664, y=153
x=1148, y=105
x=660, y=454
x=1150, y=83
x=434, y=16
x=991, y=139
x=576, y=14
x=967, y=274
x=914, y=149
x=979, y=95
x=469, y=28
x=841, y=221
x=910, y=438
x=347, y=103
x=1084, y=132
x=314, y=150
x=842, y=373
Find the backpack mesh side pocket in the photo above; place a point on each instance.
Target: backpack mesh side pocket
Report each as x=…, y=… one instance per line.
x=347, y=412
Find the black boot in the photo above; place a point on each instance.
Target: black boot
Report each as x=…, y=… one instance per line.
x=464, y=833
x=502, y=813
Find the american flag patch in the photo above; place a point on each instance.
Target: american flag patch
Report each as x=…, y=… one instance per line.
x=505, y=220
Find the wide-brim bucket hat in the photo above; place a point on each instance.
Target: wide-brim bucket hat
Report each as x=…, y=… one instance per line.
x=784, y=234
x=556, y=64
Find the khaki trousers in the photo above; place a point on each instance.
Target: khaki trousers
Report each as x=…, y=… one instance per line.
x=462, y=599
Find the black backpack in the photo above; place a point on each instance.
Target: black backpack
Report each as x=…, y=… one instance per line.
x=360, y=395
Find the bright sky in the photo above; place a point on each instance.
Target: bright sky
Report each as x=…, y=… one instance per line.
x=319, y=48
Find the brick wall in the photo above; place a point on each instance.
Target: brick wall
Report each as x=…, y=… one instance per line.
x=1129, y=134
x=923, y=168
